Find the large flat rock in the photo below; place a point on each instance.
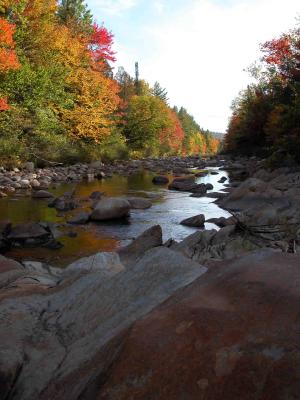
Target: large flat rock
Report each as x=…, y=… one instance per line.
x=56, y=343
x=231, y=335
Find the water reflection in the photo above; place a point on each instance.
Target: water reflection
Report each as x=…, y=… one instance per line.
x=169, y=208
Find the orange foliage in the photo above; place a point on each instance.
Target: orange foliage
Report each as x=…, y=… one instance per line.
x=173, y=135
x=8, y=57
x=3, y=105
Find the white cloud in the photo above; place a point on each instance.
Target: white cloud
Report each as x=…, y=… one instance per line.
x=114, y=7
x=159, y=6
x=200, y=54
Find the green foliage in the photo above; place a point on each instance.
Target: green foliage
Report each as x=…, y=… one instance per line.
x=75, y=11
x=147, y=116
x=160, y=92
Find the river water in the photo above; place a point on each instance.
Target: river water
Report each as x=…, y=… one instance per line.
x=169, y=208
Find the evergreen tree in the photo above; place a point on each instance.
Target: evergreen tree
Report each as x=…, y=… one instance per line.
x=160, y=92
x=75, y=11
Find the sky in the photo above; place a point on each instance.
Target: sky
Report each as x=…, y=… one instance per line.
x=199, y=50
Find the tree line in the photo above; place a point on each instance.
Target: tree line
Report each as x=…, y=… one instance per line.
x=266, y=116
x=61, y=100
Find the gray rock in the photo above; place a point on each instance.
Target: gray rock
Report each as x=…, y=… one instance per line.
x=80, y=218
x=42, y=194
x=160, y=180
x=110, y=208
x=27, y=231
x=106, y=264
x=53, y=336
x=149, y=239
x=29, y=166
x=197, y=221
x=137, y=203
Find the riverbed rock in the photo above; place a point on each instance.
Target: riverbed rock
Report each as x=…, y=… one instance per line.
x=223, y=179
x=53, y=336
x=10, y=270
x=160, y=180
x=149, y=239
x=29, y=166
x=138, y=203
x=80, y=218
x=231, y=335
x=197, y=221
x=42, y=194
x=110, y=208
x=106, y=264
x=26, y=231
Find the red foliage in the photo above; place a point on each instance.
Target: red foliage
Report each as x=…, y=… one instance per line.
x=8, y=58
x=172, y=136
x=278, y=50
x=101, y=44
x=3, y=105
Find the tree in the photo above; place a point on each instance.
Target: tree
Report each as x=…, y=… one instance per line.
x=8, y=57
x=147, y=117
x=75, y=12
x=171, y=137
x=101, y=43
x=126, y=83
x=160, y=92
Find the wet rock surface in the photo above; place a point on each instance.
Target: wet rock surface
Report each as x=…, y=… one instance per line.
x=214, y=316
x=232, y=334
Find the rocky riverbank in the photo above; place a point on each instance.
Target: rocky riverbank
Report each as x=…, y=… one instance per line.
x=214, y=316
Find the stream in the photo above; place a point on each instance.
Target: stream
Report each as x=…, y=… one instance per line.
x=169, y=208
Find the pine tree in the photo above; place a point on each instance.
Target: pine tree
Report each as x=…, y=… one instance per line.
x=75, y=11
x=160, y=92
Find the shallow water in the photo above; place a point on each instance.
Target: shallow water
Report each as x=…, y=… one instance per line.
x=169, y=208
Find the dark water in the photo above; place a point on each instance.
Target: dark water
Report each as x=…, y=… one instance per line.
x=169, y=208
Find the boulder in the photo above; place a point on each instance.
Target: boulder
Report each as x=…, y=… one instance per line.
x=97, y=195
x=197, y=221
x=42, y=194
x=59, y=343
x=137, y=203
x=231, y=335
x=110, y=208
x=107, y=264
x=160, y=180
x=29, y=166
x=209, y=186
x=149, y=239
x=9, y=271
x=80, y=218
x=26, y=231
x=223, y=179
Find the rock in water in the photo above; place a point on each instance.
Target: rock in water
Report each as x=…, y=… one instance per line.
x=197, y=221
x=137, y=203
x=42, y=194
x=160, y=180
x=110, y=208
x=80, y=218
x=27, y=231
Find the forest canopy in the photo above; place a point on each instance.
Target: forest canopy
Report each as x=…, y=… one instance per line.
x=266, y=116
x=61, y=98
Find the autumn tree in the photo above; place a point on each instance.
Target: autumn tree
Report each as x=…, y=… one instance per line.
x=266, y=115
x=147, y=117
x=8, y=57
